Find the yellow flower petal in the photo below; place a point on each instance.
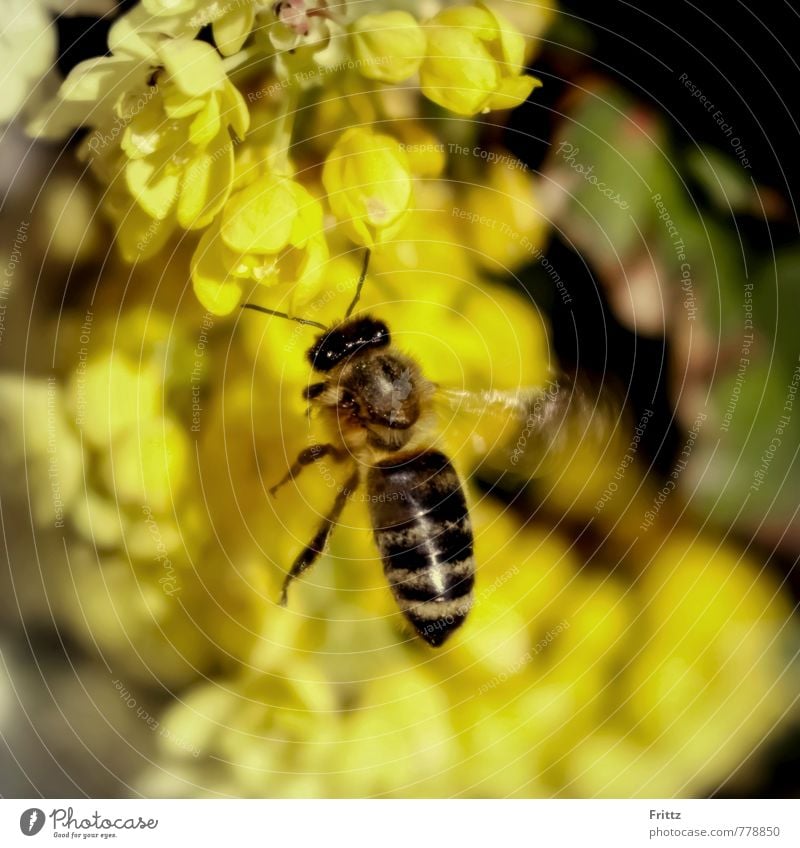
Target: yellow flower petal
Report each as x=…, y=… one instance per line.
x=367, y=178
x=231, y=30
x=147, y=465
x=259, y=219
x=308, y=221
x=144, y=133
x=194, y=66
x=96, y=79
x=307, y=286
x=215, y=289
x=512, y=43
x=178, y=105
x=206, y=124
x=112, y=394
x=427, y=154
x=473, y=62
x=234, y=110
x=152, y=186
x=458, y=73
x=389, y=46
x=477, y=20
x=169, y=7
x=134, y=34
x=206, y=184
x=139, y=236
x=513, y=91
x=506, y=198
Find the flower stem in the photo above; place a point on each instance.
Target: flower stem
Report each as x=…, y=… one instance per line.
x=284, y=126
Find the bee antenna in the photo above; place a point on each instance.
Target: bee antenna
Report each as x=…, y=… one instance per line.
x=357, y=297
x=266, y=311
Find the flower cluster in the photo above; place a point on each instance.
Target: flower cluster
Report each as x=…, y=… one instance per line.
x=178, y=149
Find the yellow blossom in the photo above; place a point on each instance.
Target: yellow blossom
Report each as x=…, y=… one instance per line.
x=95, y=91
x=368, y=181
x=504, y=225
x=426, y=152
x=269, y=233
x=163, y=110
x=474, y=62
x=389, y=46
x=231, y=23
x=306, y=35
x=429, y=242
x=148, y=465
x=178, y=147
x=109, y=394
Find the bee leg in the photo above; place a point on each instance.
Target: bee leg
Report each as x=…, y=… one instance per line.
x=306, y=457
x=311, y=392
x=308, y=556
x=314, y=390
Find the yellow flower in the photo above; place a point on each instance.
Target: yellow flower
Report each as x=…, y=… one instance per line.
x=231, y=23
x=110, y=609
x=95, y=90
x=109, y=394
x=306, y=35
x=368, y=181
x=427, y=156
x=148, y=464
x=178, y=148
x=388, y=46
x=270, y=232
x=162, y=110
x=474, y=62
x=290, y=713
x=503, y=223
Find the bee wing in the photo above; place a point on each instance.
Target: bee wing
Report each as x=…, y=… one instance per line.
x=526, y=429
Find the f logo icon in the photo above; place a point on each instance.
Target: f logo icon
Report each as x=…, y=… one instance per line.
x=31, y=821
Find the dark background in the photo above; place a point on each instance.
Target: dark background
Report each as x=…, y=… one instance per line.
x=745, y=57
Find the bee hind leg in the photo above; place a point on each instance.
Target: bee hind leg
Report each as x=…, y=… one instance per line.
x=307, y=457
x=309, y=555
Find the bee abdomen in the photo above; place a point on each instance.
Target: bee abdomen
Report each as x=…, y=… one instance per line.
x=422, y=530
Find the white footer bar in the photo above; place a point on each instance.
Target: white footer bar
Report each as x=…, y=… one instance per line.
x=400, y=824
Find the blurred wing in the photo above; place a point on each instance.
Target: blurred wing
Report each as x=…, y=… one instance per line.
x=526, y=430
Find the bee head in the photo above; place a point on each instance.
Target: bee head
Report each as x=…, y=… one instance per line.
x=351, y=338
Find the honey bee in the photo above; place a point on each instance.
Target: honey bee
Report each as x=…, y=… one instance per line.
x=382, y=409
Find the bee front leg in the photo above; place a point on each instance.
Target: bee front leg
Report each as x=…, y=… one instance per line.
x=307, y=457
x=309, y=555
x=312, y=392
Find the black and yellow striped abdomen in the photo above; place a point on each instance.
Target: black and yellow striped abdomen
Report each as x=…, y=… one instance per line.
x=422, y=530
